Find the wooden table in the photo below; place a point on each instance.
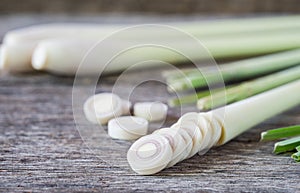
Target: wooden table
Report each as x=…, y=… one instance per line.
x=41, y=149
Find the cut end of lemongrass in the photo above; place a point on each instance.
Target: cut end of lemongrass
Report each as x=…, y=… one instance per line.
x=3, y=57
x=263, y=136
x=150, y=154
x=39, y=58
x=296, y=156
x=102, y=107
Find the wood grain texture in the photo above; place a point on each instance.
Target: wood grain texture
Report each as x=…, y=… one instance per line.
x=158, y=7
x=41, y=149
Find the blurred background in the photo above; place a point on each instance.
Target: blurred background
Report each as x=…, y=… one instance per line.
x=16, y=13
x=186, y=7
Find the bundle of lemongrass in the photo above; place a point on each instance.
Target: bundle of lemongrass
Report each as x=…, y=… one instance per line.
x=60, y=48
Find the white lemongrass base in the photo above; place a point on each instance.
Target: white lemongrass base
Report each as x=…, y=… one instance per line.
x=16, y=57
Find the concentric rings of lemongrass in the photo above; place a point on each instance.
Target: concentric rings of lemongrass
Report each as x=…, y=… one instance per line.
x=176, y=141
x=102, y=107
x=150, y=154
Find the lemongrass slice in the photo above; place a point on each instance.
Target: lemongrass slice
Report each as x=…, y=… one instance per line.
x=213, y=131
x=194, y=131
x=203, y=143
x=188, y=146
x=102, y=107
x=176, y=141
x=127, y=127
x=126, y=106
x=16, y=58
x=152, y=111
x=149, y=154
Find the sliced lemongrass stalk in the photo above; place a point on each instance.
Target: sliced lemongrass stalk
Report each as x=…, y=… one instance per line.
x=298, y=148
x=150, y=154
x=280, y=133
x=231, y=120
x=16, y=57
x=126, y=106
x=48, y=53
x=152, y=111
x=102, y=107
x=296, y=156
x=127, y=127
x=176, y=141
x=249, y=88
x=238, y=70
x=286, y=145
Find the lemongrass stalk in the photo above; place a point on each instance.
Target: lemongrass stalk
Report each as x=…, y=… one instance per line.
x=48, y=55
x=189, y=99
x=217, y=127
x=249, y=88
x=280, y=133
x=193, y=98
x=238, y=70
x=286, y=145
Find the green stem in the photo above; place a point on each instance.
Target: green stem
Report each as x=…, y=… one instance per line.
x=296, y=156
x=249, y=88
x=286, y=145
x=189, y=99
x=234, y=71
x=280, y=133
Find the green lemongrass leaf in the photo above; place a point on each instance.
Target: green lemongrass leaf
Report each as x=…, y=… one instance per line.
x=298, y=148
x=286, y=145
x=239, y=70
x=249, y=88
x=296, y=156
x=280, y=133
